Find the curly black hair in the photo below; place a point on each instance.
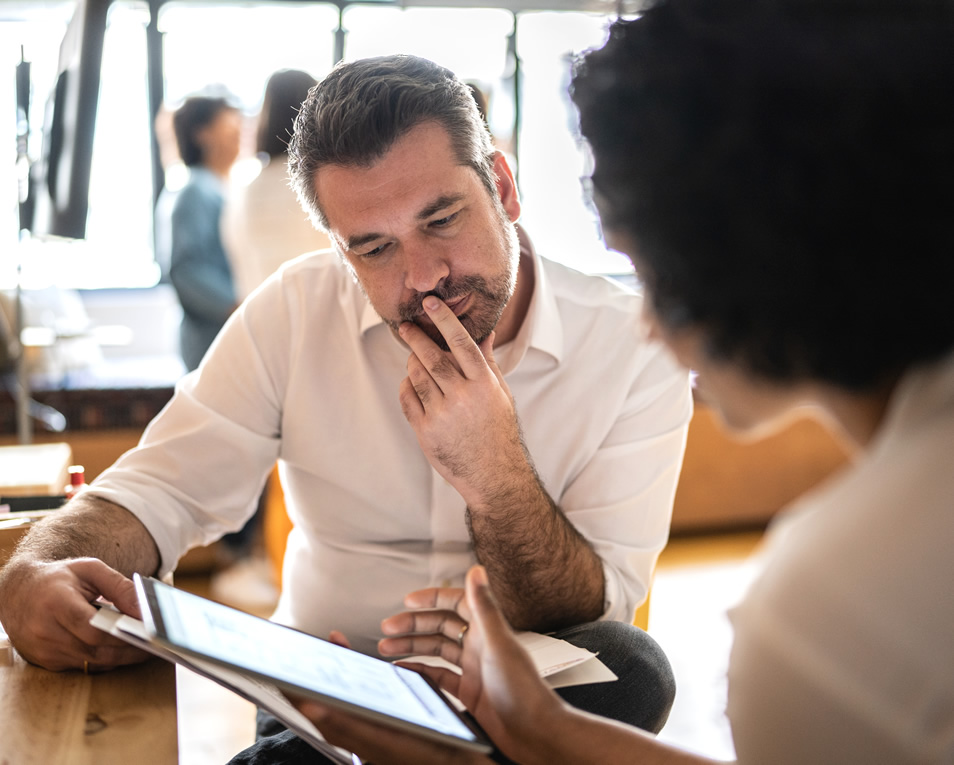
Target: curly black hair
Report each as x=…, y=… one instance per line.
x=785, y=170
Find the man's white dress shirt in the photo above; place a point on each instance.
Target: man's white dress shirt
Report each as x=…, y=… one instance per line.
x=306, y=373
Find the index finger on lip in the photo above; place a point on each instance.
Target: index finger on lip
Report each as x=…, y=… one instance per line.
x=459, y=341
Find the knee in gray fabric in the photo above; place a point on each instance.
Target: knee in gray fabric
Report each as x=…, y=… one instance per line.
x=645, y=689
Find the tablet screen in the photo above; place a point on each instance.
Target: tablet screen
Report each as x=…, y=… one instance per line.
x=301, y=662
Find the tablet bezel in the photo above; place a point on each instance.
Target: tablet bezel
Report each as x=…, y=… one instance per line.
x=152, y=613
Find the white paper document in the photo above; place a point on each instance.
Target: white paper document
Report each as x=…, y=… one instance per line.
x=559, y=663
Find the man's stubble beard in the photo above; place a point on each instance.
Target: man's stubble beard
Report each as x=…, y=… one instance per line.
x=490, y=295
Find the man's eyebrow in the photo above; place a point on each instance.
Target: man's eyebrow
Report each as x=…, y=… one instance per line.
x=359, y=240
x=439, y=204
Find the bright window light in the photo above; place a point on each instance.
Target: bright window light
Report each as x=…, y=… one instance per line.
x=235, y=47
x=552, y=161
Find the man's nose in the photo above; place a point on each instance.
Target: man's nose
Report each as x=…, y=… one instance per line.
x=424, y=269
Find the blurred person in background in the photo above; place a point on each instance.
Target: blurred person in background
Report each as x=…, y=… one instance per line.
x=263, y=224
x=208, y=132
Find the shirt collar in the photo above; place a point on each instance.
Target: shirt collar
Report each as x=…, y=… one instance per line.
x=542, y=328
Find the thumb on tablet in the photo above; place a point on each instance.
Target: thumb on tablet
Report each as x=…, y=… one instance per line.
x=99, y=580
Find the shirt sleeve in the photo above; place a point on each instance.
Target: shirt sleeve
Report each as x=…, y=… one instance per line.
x=202, y=463
x=622, y=499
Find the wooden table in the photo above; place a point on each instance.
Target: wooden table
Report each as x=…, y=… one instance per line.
x=120, y=717
x=123, y=717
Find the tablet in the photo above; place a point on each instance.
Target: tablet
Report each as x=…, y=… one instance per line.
x=303, y=664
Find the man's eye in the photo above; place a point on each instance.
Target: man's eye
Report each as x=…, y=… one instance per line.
x=445, y=221
x=375, y=252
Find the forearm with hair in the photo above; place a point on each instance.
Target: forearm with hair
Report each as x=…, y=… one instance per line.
x=544, y=573
x=90, y=527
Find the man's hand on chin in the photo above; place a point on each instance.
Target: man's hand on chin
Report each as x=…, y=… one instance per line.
x=461, y=409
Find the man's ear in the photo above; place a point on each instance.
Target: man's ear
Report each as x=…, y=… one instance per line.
x=506, y=187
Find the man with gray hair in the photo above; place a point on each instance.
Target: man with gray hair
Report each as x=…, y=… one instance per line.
x=436, y=312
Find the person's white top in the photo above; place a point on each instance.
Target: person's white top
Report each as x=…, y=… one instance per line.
x=307, y=373
x=263, y=225
x=844, y=648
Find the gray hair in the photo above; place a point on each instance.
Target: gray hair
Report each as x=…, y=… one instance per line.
x=355, y=114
